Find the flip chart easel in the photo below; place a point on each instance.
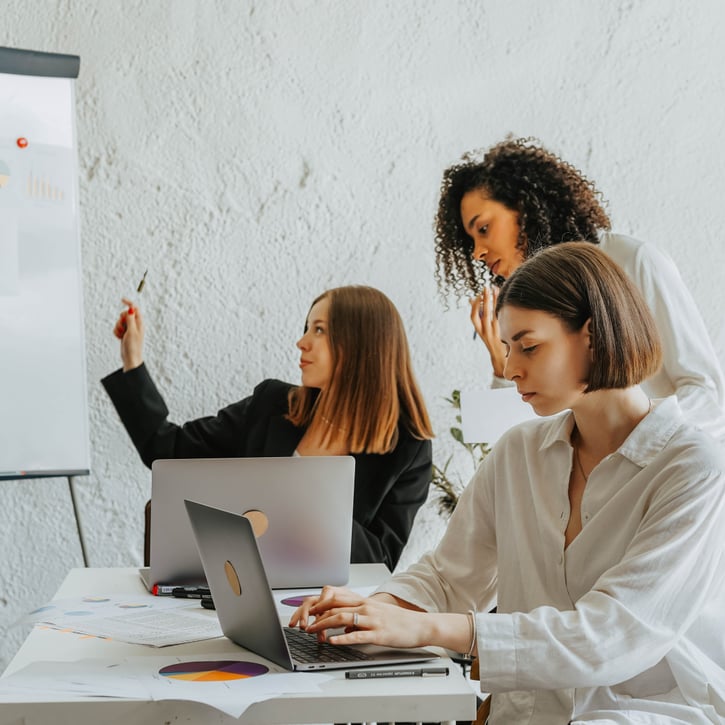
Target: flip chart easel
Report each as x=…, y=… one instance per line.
x=43, y=408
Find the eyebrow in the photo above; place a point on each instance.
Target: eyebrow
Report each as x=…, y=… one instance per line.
x=520, y=334
x=472, y=221
x=317, y=322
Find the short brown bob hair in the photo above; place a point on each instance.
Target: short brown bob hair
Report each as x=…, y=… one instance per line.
x=373, y=389
x=577, y=281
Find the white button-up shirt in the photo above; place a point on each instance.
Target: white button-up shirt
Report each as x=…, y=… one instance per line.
x=627, y=624
x=690, y=368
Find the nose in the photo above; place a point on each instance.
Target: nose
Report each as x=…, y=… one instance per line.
x=302, y=342
x=511, y=371
x=479, y=251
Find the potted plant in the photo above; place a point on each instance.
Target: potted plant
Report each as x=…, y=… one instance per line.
x=449, y=484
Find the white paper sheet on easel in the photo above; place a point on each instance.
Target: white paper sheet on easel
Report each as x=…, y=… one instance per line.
x=487, y=414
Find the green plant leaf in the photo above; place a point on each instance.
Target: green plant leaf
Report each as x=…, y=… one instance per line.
x=457, y=434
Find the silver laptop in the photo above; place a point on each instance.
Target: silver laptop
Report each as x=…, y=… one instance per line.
x=246, y=607
x=300, y=507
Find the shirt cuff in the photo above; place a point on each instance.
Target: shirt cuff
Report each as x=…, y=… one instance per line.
x=496, y=652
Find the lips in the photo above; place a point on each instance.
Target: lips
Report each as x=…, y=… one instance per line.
x=493, y=267
x=304, y=363
x=526, y=397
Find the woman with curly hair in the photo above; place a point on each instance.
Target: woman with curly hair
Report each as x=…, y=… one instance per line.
x=499, y=208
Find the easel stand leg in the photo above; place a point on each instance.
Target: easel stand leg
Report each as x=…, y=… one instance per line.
x=78, y=521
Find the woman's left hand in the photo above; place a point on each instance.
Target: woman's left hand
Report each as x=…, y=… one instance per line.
x=483, y=317
x=365, y=620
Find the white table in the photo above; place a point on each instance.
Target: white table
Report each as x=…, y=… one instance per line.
x=340, y=700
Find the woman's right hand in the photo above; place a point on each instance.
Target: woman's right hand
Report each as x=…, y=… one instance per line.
x=129, y=330
x=363, y=620
x=483, y=317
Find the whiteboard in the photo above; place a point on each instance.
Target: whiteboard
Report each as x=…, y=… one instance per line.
x=43, y=399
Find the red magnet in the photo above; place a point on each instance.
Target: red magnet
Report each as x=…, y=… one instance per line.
x=22, y=142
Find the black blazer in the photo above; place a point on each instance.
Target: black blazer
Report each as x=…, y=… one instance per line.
x=389, y=488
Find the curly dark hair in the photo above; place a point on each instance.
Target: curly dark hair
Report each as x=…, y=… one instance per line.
x=555, y=203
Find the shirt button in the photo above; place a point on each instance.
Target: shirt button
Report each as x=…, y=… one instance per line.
x=586, y=517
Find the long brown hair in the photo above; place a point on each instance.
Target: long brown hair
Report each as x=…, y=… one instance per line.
x=372, y=389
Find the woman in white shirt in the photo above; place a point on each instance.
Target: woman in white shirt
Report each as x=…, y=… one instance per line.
x=499, y=208
x=597, y=532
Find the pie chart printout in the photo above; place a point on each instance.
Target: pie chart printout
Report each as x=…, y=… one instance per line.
x=296, y=601
x=216, y=671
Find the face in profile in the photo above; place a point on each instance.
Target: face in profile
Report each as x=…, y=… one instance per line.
x=549, y=363
x=314, y=346
x=494, y=230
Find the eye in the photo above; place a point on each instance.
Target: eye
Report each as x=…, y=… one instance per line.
x=319, y=330
x=529, y=350
x=483, y=229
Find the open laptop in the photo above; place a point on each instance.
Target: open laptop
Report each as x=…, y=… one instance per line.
x=246, y=607
x=301, y=509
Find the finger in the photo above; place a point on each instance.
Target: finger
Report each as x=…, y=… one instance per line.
x=489, y=317
x=476, y=310
x=132, y=321
x=120, y=326
x=341, y=598
x=355, y=636
x=487, y=303
x=327, y=595
x=301, y=614
x=337, y=618
x=298, y=618
x=126, y=302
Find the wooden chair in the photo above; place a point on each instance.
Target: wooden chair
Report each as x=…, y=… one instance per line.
x=485, y=707
x=147, y=534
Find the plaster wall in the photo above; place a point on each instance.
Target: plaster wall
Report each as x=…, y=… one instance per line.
x=252, y=154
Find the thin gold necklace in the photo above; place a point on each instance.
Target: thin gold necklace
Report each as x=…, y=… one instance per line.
x=576, y=448
x=578, y=461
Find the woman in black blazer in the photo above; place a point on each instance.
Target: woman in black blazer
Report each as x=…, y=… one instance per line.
x=358, y=397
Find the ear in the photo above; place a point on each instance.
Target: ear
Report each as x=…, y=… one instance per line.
x=587, y=333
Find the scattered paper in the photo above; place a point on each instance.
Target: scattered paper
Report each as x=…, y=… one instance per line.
x=140, y=678
x=137, y=619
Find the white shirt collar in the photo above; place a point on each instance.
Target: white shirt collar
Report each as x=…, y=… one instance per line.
x=642, y=444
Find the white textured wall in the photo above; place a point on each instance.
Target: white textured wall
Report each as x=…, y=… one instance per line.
x=252, y=154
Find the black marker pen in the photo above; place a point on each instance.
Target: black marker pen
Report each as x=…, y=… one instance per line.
x=375, y=674
x=190, y=592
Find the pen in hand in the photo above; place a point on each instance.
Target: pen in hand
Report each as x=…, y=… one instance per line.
x=139, y=289
x=492, y=287
x=486, y=286
x=142, y=282
x=120, y=329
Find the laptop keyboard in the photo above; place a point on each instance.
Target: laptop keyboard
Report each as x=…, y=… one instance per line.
x=304, y=647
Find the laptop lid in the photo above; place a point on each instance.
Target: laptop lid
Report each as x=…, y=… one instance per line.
x=301, y=509
x=243, y=598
